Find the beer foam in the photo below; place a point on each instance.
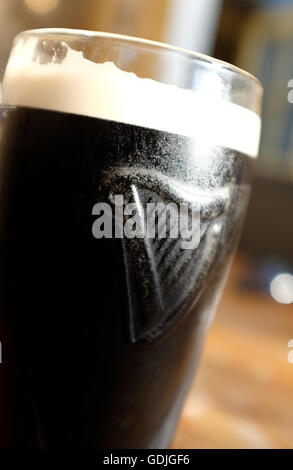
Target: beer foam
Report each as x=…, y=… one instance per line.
x=80, y=86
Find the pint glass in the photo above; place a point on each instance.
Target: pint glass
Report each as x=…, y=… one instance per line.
x=103, y=139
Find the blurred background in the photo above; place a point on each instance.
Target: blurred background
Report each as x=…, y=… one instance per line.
x=242, y=396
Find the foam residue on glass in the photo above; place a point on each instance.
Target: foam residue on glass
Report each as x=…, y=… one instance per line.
x=49, y=75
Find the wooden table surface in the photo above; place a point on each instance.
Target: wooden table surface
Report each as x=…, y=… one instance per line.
x=242, y=396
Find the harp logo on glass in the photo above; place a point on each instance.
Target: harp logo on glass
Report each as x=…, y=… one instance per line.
x=119, y=219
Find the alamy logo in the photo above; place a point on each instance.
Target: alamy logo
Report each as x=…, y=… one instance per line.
x=156, y=220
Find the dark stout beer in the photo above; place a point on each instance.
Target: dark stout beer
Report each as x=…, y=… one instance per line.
x=102, y=336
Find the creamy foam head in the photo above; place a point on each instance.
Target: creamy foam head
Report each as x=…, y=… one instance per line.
x=83, y=87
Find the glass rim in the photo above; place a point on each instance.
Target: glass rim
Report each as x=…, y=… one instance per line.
x=89, y=34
